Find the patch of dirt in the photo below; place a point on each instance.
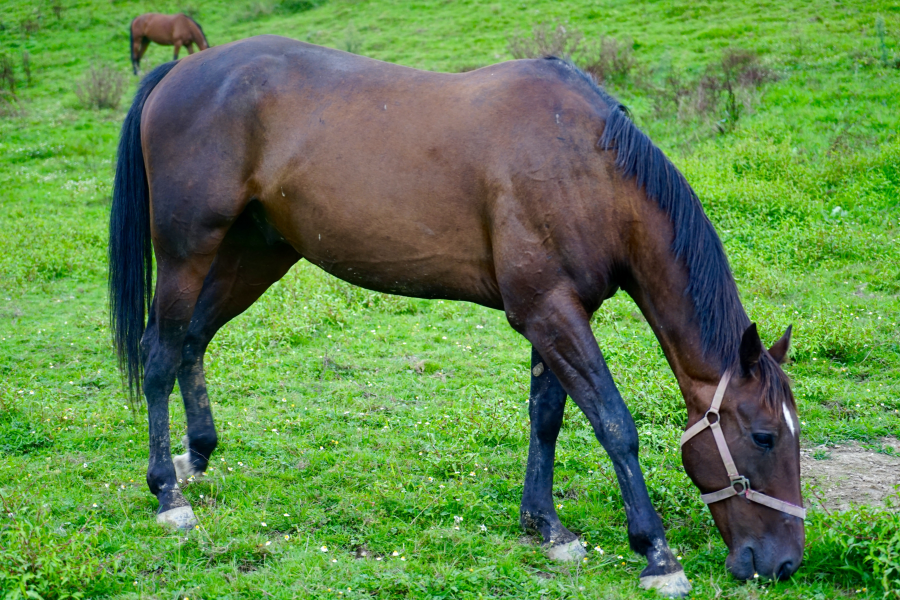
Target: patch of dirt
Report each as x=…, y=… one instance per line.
x=850, y=474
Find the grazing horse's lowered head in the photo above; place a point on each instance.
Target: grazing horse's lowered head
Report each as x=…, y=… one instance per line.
x=761, y=522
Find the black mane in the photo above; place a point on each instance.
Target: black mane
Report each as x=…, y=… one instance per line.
x=711, y=285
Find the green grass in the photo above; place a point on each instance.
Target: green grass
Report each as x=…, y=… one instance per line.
x=372, y=421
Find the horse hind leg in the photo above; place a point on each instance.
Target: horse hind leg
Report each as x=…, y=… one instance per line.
x=546, y=407
x=247, y=263
x=180, y=279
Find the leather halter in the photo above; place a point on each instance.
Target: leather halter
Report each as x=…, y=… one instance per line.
x=740, y=485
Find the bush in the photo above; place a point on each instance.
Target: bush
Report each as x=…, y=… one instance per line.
x=723, y=93
x=606, y=58
x=101, y=87
x=7, y=86
x=546, y=40
x=609, y=59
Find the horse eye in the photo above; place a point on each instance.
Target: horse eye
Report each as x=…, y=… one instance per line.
x=764, y=440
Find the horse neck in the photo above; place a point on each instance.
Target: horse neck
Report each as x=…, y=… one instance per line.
x=657, y=282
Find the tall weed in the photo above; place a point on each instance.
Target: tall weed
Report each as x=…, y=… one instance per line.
x=100, y=87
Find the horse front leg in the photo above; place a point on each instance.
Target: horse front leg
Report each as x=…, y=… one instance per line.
x=177, y=49
x=546, y=406
x=559, y=329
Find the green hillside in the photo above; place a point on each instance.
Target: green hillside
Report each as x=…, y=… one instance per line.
x=354, y=427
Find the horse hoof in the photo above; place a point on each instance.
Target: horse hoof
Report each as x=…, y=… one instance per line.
x=673, y=585
x=568, y=552
x=180, y=517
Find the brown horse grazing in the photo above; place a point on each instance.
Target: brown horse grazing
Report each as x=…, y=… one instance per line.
x=169, y=30
x=522, y=187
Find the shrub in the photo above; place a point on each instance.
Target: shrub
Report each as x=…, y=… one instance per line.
x=101, y=87
x=31, y=25
x=609, y=59
x=7, y=86
x=546, y=40
x=605, y=58
x=352, y=40
x=26, y=67
x=295, y=6
x=722, y=93
x=7, y=76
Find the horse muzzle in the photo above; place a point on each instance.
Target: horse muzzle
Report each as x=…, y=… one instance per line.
x=748, y=562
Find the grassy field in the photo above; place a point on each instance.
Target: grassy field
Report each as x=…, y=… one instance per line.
x=374, y=446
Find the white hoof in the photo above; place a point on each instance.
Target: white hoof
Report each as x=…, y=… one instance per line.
x=568, y=552
x=673, y=585
x=181, y=517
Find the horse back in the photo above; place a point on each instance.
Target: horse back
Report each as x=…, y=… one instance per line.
x=430, y=175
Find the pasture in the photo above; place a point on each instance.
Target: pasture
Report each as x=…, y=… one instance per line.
x=374, y=445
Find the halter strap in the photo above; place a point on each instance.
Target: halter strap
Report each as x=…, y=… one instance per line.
x=740, y=485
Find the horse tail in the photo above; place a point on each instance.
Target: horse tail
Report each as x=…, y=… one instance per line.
x=130, y=250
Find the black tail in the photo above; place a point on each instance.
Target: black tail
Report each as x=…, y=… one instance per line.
x=130, y=250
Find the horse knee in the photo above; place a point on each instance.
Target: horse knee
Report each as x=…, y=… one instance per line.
x=617, y=433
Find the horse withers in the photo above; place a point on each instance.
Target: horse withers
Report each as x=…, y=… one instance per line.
x=167, y=30
x=523, y=187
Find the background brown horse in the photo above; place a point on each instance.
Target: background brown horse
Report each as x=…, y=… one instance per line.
x=169, y=30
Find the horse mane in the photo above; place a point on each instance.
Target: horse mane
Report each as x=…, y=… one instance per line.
x=711, y=284
x=191, y=19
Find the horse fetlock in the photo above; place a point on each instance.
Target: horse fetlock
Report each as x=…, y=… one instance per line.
x=546, y=523
x=673, y=585
x=660, y=559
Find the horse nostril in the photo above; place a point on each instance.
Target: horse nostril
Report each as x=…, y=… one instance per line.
x=786, y=570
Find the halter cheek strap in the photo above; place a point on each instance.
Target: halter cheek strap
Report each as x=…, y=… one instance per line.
x=740, y=485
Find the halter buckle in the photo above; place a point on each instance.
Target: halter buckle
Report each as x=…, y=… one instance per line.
x=742, y=481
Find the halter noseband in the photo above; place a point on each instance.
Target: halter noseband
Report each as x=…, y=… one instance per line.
x=740, y=485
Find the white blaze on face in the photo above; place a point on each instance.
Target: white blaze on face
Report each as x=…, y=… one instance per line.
x=788, y=418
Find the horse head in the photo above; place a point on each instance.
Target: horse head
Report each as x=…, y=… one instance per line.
x=748, y=465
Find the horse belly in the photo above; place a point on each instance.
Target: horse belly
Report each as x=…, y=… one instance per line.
x=388, y=234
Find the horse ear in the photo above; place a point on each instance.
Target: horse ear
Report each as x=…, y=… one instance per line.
x=750, y=350
x=779, y=349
